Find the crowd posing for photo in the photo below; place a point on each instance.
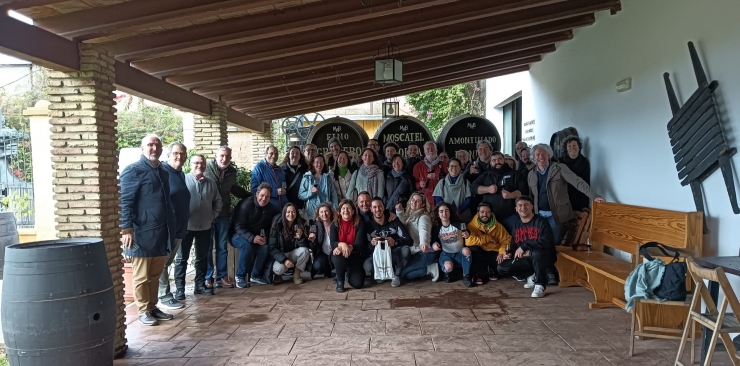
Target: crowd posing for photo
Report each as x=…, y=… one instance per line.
x=376, y=216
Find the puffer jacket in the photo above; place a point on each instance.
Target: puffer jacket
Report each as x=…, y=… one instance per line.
x=558, y=178
x=490, y=238
x=279, y=245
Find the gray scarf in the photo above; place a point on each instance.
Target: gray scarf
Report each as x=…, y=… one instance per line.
x=453, y=192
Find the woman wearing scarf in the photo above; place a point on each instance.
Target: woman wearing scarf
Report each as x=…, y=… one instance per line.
x=398, y=184
x=288, y=245
x=348, y=244
x=579, y=165
x=369, y=177
x=294, y=165
x=317, y=187
x=343, y=175
x=455, y=190
x=418, y=222
x=319, y=237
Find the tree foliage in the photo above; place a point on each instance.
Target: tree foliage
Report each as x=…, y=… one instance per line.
x=137, y=118
x=436, y=107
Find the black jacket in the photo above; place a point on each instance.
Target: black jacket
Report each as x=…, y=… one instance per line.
x=227, y=185
x=390, y=229
x=318, y=244
x=279, y=245
x=365, y=216
x=411, y=163
x=582, y=167
x=249, y=218
x=360, y=246
x=475, y=198
x=293, y=181
x=397, y=190
x=505, y=179
x=536, y=234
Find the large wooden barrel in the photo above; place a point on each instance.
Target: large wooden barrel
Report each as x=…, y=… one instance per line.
x=464, y=132
x=556, y=141
x=8, y=235
x=403, y=131
x=352, y=136
x=58, y=305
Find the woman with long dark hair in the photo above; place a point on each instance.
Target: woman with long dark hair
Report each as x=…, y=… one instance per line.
x=294, y=166
x=368, y=178
x=348, y=243
x=288, y=246
x=342, y=174
x=319, y=237
x=398, y=184
x=448, y=237
x=317, y=187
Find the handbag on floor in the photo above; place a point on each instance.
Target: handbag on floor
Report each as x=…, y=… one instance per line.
x=673, y=283
x=383, y=262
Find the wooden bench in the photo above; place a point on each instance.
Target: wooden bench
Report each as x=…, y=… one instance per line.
x=624, y=228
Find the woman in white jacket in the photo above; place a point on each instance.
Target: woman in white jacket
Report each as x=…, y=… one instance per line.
x=418, y=222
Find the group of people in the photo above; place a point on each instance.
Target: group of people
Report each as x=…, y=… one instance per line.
x=329, y=214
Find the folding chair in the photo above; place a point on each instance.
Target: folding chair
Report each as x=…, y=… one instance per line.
x=717, y=320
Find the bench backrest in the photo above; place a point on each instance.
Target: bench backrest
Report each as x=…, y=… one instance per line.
x=621, y=226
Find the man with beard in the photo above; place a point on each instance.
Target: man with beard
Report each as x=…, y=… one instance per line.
x=475, y=169
x=525, y=164
x=382, y=229
x=429, y=171
x=147, y=226
x=412, y=157
x=267, y=171
x=180, y=198
x=521, y=145
x=487, y=240
x=221, y=170
x=499, y=187
x=533, y=250
x=389, y=149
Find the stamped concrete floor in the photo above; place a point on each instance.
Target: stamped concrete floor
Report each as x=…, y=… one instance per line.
x=419, y=323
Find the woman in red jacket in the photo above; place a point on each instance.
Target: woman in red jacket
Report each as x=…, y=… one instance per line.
x=348, y=243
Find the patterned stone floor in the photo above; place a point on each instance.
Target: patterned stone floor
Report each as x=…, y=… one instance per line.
x=419, y=323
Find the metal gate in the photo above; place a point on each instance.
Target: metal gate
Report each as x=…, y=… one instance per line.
x=16, y=174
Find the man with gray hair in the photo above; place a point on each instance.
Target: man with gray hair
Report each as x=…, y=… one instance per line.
x=147, y=226
x=177, y=153
x=221, y=170
x=429, y=171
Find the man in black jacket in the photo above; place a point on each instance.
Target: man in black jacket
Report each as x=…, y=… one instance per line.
x=381, y=229
x=500, y=186
x=475, y=169
x=532, y=250
x=251, y=226
x=412, y=157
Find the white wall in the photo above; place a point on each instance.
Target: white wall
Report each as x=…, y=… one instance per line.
x=501, y=90
x=626, y=136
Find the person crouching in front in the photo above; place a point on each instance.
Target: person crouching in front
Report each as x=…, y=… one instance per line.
x=288, y=245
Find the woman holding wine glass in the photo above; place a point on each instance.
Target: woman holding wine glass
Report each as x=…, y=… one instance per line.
x=448, y=235
x=319, y=237
x=368, y=178
x=317, y=187
x=348, y=244
x=288, y=245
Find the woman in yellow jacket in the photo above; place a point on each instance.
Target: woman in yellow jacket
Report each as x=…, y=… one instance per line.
x=488, y=241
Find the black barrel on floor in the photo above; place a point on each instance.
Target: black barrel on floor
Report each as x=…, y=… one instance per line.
x=58, y=305
x=8, y=235
x=556, y=141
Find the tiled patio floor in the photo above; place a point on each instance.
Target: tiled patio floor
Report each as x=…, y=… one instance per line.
x=419, y=323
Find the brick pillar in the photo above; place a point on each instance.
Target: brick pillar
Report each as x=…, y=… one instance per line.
x=210, y=131
x=260, y=142
x=85, y=161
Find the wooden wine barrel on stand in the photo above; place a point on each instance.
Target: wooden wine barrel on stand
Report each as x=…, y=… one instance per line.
x=403, y=131
x=352, y=136
x=8, y=235
x=464, y=132
x=556, y=141
x=58, y=304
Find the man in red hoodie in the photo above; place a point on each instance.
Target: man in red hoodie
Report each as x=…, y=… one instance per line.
x=429, y=171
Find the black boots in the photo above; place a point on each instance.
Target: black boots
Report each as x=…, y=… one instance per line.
x=340, y=286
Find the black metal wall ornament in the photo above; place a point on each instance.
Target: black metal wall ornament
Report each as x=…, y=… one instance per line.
x=699, y=145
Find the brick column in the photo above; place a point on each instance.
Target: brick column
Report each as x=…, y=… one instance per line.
x=85, y=161
x=210, y=131
x=260, y=142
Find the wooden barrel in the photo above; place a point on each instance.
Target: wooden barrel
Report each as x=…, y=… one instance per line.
x=402, y=131
x=352, y=136
x=8, y=235
x=464, y=132
x=58, y=304
x=556, y=141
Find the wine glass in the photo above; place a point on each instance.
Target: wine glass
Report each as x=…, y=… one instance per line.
x=312, y=228
x=262, y=233
x=463, y=227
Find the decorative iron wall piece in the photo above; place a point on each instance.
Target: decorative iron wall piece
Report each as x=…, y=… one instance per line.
x=699, y=145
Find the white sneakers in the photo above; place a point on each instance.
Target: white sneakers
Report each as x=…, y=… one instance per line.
x=530, y=282
x=539, y=291
x=433, y=269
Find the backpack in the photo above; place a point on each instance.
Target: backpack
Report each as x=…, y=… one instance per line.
x=673, y=284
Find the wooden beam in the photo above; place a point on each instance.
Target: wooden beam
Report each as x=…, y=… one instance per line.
x=242, y=120
x=260, y=26
x=23, y=4
x=378, y=29
x=491, y=56
x=140, y=14
x=343, y=102
x=472, y=68
x=33, y=44
x=324, y=66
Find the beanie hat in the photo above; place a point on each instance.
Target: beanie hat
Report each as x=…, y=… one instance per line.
x=334, y=139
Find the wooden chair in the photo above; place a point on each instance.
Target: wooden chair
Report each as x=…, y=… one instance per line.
x=716, y=320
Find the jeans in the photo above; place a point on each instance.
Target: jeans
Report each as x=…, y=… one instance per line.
x=299, y=257
x=321, y=264
x=202, y=240
x=538, y=262
x=352, y=266
x=418, y=264
x=509, y=222
x=464, y=261
x=557, y=229
x=248, y=251
x=164, y=279
x=483, y=260
x=220, y=233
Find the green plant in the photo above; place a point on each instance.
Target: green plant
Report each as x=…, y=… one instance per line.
x=4, y=360
x=19, y=204
x=243, y=179
x=137, y=118
x=436, y=107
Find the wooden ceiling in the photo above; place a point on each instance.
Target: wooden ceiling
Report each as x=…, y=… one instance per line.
x=276, y=58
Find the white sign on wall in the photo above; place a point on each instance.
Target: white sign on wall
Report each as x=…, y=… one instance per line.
x=528, y=131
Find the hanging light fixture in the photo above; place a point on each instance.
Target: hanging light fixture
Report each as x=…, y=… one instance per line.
x=388, y=66
x=391, y=108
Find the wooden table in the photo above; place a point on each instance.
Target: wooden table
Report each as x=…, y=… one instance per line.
x=729, y=265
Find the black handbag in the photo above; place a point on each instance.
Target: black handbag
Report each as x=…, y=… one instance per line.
x=673, y=284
